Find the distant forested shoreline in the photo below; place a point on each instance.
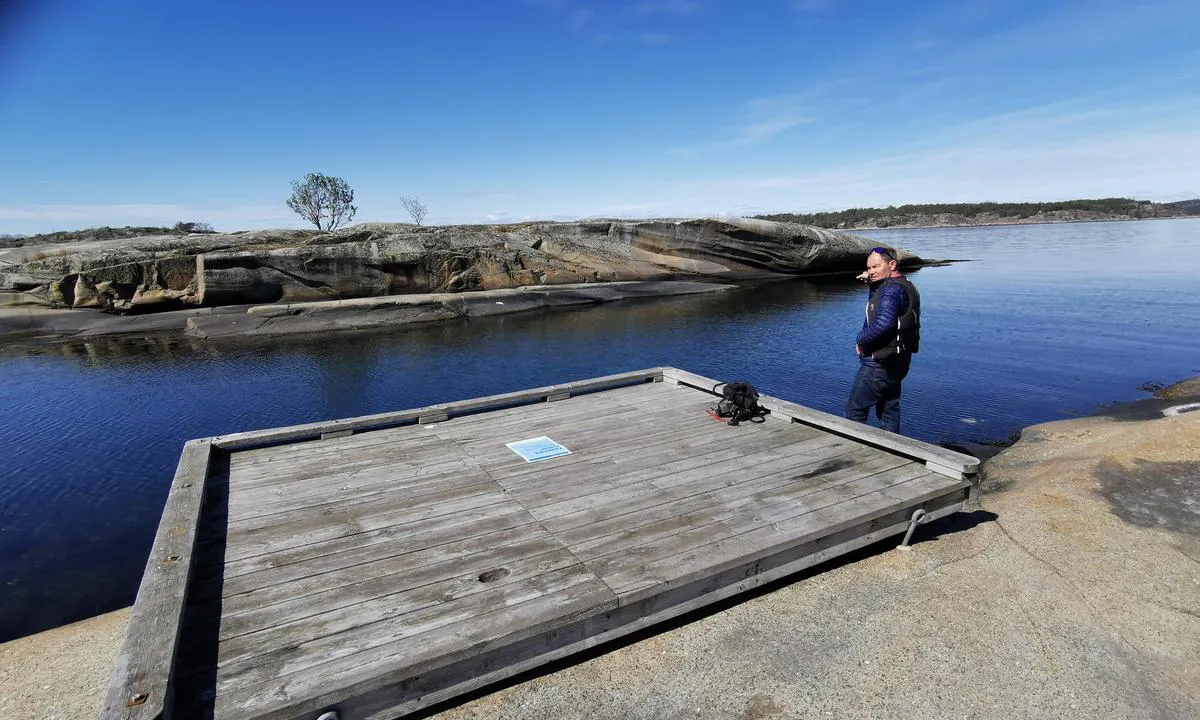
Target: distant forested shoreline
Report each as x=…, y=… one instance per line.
x=991, y=213
x=937, y=215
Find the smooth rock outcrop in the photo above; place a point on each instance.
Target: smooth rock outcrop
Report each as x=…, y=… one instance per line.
x=173, y=272
x=398, y=311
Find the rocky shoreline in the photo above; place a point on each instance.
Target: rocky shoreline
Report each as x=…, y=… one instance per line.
x=282, y=282
x=147, y=274
x=1071, y=592
x=37, y=325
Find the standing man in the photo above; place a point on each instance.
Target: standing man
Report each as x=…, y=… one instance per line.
x=890, y=335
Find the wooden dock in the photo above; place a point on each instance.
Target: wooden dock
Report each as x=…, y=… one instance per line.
x=376, y=565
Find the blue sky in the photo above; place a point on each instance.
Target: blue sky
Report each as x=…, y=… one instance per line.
x=151, y=112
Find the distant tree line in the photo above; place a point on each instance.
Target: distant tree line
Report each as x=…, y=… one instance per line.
x=1184, y=207
x=894, y=215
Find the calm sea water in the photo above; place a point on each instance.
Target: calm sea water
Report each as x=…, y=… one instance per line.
x=1045, y=322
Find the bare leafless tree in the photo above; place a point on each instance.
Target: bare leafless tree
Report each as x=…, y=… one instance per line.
x=415, y=207
x=324, y=201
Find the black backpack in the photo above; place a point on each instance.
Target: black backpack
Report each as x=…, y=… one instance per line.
x=739, y=403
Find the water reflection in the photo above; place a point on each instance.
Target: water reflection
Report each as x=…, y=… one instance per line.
x=747, y=303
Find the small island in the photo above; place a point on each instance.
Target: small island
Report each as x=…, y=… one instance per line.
x=269, y=282
x=991, y=213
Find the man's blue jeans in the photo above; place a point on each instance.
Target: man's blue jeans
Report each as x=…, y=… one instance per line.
x=878, y=386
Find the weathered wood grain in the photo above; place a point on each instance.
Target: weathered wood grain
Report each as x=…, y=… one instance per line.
x=312, y=530
x=660, y=485
x=140, y=687
x=347, y=570
x=381, y=632
x=322, y=605
x=686, y=559
x=486, y=668
x=664, y=529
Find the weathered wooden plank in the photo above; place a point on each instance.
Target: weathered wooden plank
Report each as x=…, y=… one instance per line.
x=403, y=485
x=681, y=437
x=548, y=492
x=638, y=465
x=277, y=478
x=460, y=602
x=592, y=432
x=595, y=526
x=270, y=569
x=764, y=510
x=909, y=447
x=728, y=510
x=348, y=445
x=647, y=497
x=591, y=438
x=943, y=470
x=585, y=417
x=400, y=451
x=258, y=438
x=861, y=431
x=578, y=405
x=305, y=492
x=452, y=484
x=309, y=431
x=320, y=529
x=575, y=387
x=687, y=468
x=140, y=684
x=685, y=558
x=262, y=571
x=622, y=397
x=578, y=388
x=486, y=668
x=358, y=676
x=381, y=585
x=799, y=450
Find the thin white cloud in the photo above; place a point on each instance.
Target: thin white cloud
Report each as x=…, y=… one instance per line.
x=577, y=18
x=812, y=7
x=1093, y=26
x=654, y=38
x=677, y=8
x=548, y=4
x=767, y=129
x=762, y=119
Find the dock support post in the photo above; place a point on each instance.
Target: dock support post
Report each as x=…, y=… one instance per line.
x=918, y=517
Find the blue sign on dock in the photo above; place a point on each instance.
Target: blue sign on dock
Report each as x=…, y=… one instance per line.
x=538, y=448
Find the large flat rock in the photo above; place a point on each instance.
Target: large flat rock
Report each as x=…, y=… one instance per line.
x=171, y=272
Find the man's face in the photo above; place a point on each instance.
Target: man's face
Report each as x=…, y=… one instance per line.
x=878, y=267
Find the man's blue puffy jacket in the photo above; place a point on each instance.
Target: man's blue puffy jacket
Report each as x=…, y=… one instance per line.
x=891, y=302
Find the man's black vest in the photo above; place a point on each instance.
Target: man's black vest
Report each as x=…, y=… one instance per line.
x=908, y=325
